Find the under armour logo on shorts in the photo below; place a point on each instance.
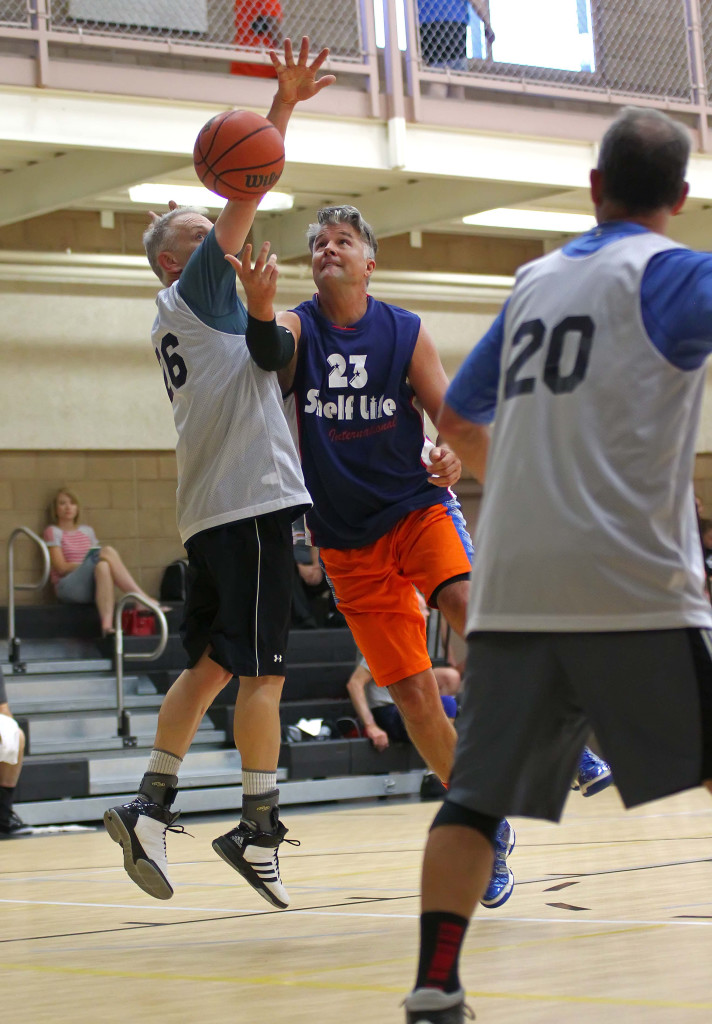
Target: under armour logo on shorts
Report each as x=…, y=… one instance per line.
x=278, y=657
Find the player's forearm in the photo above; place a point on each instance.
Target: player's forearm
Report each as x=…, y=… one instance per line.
x=280, y=113
x=270, y=345
x=469, y=441
x=360, y=704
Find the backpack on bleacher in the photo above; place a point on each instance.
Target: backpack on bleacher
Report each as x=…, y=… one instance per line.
x=173, y=584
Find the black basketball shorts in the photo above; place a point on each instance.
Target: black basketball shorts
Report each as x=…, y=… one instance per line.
x=531, y=700
x=239, y=594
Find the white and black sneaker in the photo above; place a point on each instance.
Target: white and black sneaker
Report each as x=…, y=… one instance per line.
x=140, y=829
x=254, y=854
x=431, y=1006
x=11, y=825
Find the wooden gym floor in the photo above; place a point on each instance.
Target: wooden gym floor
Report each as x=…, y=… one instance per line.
x=611, y=919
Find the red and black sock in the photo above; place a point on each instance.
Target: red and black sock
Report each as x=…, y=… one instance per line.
x=441, y=938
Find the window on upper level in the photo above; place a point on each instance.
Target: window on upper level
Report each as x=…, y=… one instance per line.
x=550, y=34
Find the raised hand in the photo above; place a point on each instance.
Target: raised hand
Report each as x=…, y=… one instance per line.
x=259, y=282
x=296, y=80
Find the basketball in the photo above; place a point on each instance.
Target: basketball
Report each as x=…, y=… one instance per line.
x=238, y=154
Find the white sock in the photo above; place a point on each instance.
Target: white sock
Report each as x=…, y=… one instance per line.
x=161, y=762
x=258, y=783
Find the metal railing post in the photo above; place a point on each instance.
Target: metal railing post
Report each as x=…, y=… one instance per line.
x=696, y=64
x=368, y=27
x=123, y=715
x=13, y=641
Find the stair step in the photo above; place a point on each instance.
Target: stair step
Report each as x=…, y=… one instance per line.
x=42, y=694
x=143, y=741
x=209, y=799
x=200, y=768
x=59, y=666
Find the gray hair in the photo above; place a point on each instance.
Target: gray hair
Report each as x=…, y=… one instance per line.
x=344, y=215
x=159, y=236
x=643, y=160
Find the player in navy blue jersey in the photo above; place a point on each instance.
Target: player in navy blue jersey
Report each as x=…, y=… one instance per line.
x=360, y=372
x=588, y=602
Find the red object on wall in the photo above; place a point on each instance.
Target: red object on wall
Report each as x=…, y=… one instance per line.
x=255, y=25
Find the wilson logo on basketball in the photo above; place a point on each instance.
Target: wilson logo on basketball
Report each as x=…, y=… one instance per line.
x=260, y=180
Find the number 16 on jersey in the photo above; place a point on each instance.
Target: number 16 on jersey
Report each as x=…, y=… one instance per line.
x=175, y=372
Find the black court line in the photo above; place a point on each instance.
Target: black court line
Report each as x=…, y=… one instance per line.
x=619, y=871
x=226, y=916
x=357, y=901
x=361, y=852
x=566, y=906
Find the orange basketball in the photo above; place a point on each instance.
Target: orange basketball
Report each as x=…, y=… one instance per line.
x=238, y=154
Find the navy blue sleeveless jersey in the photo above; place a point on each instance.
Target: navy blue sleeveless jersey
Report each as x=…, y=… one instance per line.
x=360, y=434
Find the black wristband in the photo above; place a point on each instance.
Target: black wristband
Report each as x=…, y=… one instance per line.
x=270, y=345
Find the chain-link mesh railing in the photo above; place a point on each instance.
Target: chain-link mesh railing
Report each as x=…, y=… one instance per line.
x=252, y=25
x=705, y=9
x=627, y=47
x=658, y=49
x=14, y=12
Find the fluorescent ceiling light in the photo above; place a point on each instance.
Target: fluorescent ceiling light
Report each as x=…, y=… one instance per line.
x=532, y=220
x=195, y=195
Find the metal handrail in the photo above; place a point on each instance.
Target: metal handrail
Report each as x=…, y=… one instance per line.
x=123, y=717
x=12, y=640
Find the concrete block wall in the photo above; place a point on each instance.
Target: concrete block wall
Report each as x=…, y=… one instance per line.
x=128, y=497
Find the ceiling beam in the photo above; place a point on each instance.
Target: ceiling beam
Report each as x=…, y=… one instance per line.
x=408, y=207
x=74, y=176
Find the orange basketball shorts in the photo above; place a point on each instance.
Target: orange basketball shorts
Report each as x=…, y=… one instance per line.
x=374, y=587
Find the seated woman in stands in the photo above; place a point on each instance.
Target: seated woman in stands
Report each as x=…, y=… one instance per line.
x=82, y=570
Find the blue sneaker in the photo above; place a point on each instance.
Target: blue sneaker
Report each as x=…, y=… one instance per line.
x=594, y=774
x=502, y=881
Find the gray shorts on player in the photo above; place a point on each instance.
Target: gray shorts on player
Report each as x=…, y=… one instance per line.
x=531, y=699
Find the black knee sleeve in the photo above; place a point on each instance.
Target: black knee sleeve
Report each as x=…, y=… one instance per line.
x=455, y=814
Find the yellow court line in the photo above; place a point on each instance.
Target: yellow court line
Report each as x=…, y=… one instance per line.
x=284, y=982
x=502, y=947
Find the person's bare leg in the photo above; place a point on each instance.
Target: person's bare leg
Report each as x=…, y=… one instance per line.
x=456, y=869
x=140, y=826
x=457, y=866
x=186, y=702
x=252, y=847
x=431, y=731
x=104, y=595
x=452, y=602
x=119, y=573
x=257, y=727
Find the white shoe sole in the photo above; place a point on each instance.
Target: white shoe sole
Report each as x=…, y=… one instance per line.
x=145, y=873
x=596, y=785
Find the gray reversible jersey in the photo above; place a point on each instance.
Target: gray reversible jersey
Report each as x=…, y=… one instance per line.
x=588, y=521
x=236, y=457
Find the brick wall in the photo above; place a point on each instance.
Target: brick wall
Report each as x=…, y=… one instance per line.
x=128, y=497
x=703, y=482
